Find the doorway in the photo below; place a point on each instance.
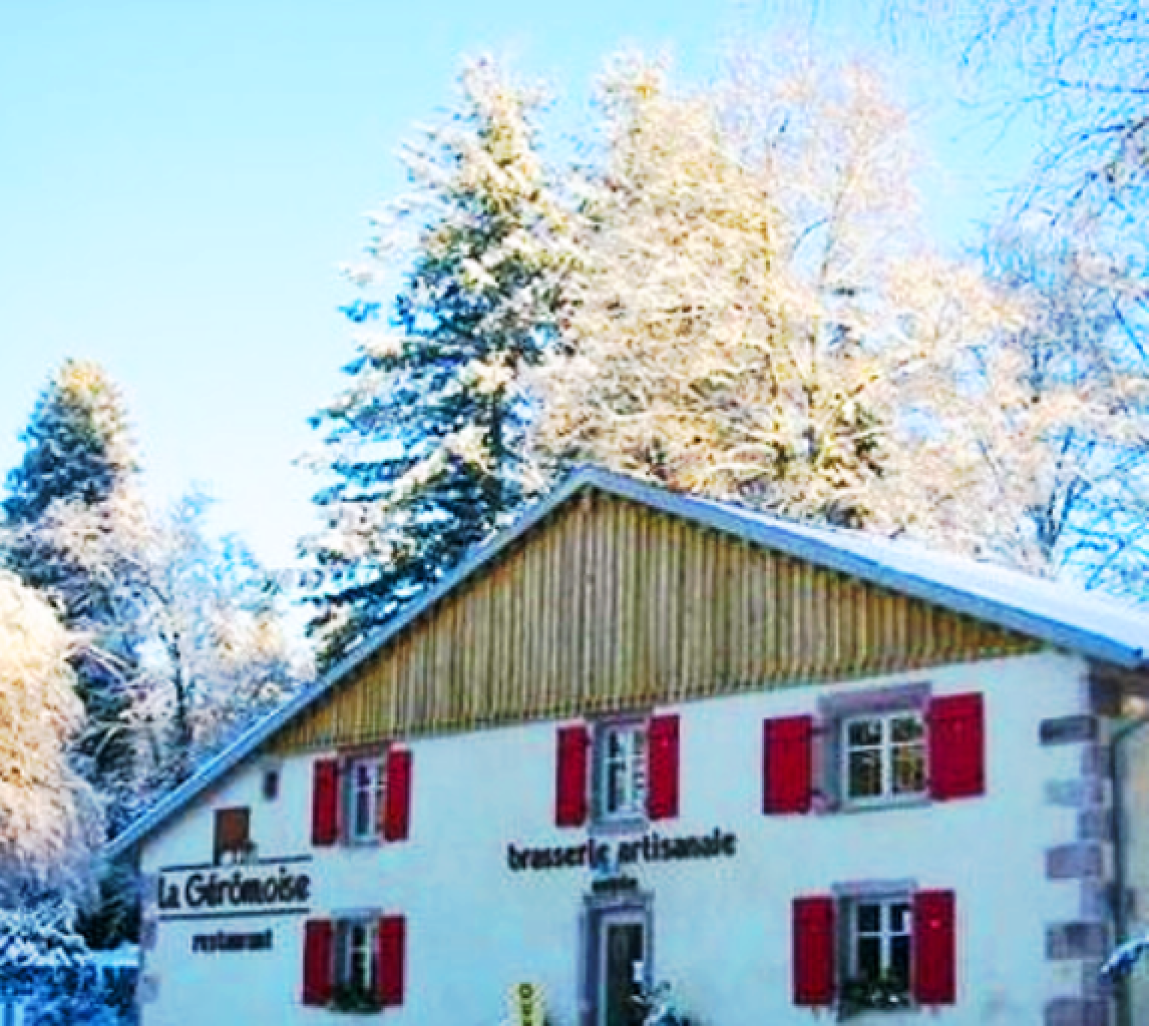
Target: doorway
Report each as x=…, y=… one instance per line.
x=619, y=962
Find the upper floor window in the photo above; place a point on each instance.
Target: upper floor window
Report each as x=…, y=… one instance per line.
x=617, y=771
x=366, y=781
x=868, y=749
x=365, y=796
x=621, y=770
x=884, y=756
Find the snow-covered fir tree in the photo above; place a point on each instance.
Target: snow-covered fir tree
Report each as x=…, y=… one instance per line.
x=424, y=448
x=79, y=456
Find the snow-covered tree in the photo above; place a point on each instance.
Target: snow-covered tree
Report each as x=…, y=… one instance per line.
x=424, y=448
x=756, y=306
x=42, y=956
x=1036, y=453
x=1077, y=256
x=220, y=653
x=79, y=455
x=214, y=649
x=49, y=816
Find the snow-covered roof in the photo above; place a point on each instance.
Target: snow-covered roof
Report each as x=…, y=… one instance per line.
x=1059, y=614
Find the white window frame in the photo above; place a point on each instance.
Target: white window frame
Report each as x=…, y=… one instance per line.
x=632, y=759
x=344, y=974
x=376, y=791
x=886, y=747
x=885, y=934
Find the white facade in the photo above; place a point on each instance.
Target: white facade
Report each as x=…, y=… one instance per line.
x=720, y=927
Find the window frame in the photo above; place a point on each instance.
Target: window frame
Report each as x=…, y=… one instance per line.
x=849, y=908
x=635, y=812
x=886, y=747
x=376, y=791
x=831, y=752
x=342, y=977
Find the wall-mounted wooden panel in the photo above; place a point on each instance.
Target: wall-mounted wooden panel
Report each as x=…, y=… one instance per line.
x=609, y=606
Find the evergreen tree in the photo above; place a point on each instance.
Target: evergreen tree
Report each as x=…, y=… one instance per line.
x=426, y=444
x=79, y=457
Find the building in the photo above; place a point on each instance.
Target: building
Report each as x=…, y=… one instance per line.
x=796, y=773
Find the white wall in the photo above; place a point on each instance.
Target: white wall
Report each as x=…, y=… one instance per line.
x=721, y=926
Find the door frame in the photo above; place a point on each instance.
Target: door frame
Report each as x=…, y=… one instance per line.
x=597, y=910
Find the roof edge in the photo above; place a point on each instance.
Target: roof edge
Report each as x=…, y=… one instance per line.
x=702, y=512
x=261, y=731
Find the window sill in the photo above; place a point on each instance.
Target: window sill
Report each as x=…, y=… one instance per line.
x=632, y=824
x=916, y=801
x=850, y=1013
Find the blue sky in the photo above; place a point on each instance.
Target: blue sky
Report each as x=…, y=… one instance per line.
x=180, y=180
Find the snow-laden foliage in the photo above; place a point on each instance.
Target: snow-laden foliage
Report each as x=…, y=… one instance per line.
x=424, y=448
x=49, y=817
x=43, y=956
x=185, y=639
x=213, y=652
x=79, y=455
x=1037, y=457
x=758, y=315
x=1072, y=244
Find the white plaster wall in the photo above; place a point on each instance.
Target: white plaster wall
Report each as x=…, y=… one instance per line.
x=721, y=926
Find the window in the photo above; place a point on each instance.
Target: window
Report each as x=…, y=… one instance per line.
x=355, y=940
x=621, y=768
x=875, y=945
x=884, y=756
x=873, y=748
x=232, y=840
x=617, y=771
x=879, y=945
x=270, y=788
x=365, y=779
x=356, y=963
x=365, y=796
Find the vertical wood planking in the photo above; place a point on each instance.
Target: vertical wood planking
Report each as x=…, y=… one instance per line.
x=613, y=606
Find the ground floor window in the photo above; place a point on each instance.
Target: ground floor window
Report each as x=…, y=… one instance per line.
x=871, y=947
x=879, y=948
x=355, y=972
x=355, y=963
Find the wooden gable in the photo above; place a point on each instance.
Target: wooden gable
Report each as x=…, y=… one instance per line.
x=608, y=605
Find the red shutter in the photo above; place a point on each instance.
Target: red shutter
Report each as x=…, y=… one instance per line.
x=391, y=956
x=571, y=776
x=813, y=950
x=318, y=936
x=325, y=802
x=787, y=764
x=397, y=801
x=957, y=746
x=934, y=960
x=662, y=767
